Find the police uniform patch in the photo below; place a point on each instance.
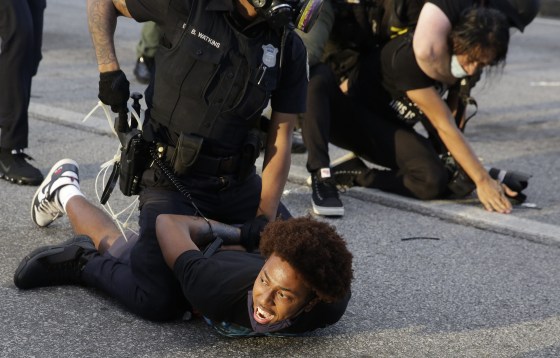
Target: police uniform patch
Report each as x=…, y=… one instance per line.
x=269, y=55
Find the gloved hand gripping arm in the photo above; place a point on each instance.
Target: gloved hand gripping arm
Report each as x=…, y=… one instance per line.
x=251, y=232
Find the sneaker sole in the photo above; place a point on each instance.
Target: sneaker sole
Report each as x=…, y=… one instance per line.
x=327, y=211
x=46, y=180
x=21, y=181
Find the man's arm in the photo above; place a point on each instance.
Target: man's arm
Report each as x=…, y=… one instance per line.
x=102, y=21
x=430, y=43
x=489, y=191
x=277, y=160
x=179, y=233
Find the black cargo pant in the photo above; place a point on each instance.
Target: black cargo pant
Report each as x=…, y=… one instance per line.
x=21, y=33
x=139, y=277
x=414, y=168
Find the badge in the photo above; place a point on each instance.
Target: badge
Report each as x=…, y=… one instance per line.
x=269, y=55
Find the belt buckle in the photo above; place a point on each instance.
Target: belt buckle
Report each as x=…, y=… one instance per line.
x=226, y=166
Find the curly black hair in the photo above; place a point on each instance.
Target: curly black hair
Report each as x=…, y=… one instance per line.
x=315, y=250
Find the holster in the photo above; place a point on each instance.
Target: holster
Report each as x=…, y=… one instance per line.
x=249, y=153
x=135, y=159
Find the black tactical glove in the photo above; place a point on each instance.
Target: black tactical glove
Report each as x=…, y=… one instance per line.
x=251, y=232
x=114, y=89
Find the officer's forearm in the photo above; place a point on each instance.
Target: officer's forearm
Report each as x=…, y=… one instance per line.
x=102, y=21
x=277, y=162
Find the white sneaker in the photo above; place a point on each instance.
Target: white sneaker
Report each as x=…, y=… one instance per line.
x=46, y=206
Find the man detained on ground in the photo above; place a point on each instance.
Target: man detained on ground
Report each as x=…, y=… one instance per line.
x=300, y=281
x=217, y=66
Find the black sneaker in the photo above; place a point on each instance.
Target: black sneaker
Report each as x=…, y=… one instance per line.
x=15, y=168
x=144, y=69
x=346, y=169
x=55, y=264
x=325, y=198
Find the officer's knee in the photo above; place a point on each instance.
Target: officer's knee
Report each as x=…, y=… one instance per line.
x=430, y=183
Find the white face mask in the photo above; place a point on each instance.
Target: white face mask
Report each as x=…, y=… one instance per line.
x=456, y=69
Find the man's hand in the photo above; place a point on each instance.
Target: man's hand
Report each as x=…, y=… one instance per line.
x=114, y=89
x=491, y=195
x=251, y=232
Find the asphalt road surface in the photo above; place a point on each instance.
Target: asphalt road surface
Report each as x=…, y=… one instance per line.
x=466, y=283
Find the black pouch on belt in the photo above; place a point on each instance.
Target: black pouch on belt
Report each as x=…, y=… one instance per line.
x=186, y=152
x=249, y=153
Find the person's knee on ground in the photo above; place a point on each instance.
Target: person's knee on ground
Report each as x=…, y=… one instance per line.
x=427, y=182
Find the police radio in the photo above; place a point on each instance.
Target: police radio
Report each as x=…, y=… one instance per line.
x=302, y=14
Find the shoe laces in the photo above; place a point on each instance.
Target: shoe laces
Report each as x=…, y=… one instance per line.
x=52, y=206
x=20, y=158
x=326, y=188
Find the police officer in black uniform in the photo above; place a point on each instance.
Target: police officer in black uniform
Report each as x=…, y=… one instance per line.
x=21, y=37
x=219, y=63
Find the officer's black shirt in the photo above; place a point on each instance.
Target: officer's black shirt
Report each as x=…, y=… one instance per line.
x=217, y=287
x=210, y=78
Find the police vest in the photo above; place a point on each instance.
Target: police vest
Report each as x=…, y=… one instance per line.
x=212, y=80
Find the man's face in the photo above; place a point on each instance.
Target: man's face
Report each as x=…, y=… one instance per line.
x=472, y=65
x=279, y=292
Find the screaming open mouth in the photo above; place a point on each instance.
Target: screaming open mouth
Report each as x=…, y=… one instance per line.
x=261, y=316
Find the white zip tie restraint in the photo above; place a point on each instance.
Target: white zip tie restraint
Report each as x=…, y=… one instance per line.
x=104, y=168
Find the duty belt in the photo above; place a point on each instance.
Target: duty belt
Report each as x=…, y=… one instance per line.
x=216, y=166
x=210, y=165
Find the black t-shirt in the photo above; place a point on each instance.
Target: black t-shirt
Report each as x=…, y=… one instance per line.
x=400, y=73
x=218, y=287
x=453, y=9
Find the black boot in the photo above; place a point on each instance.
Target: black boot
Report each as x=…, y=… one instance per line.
x=15, y=168
x=55, y=264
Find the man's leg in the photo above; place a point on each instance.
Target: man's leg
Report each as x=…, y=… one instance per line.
x=63, y=263
x=137, y=279
x=18, y=64
x=322, y=93
x=413, y=167
x=99, y=226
